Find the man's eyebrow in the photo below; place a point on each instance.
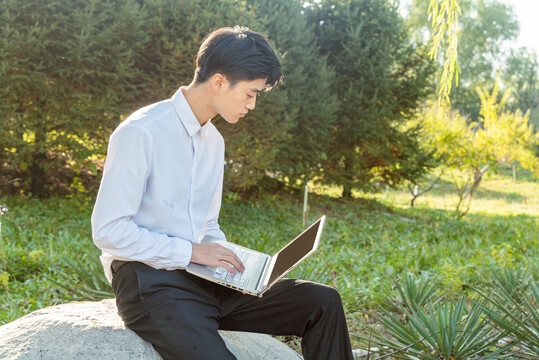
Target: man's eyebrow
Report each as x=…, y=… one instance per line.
x=256, y=90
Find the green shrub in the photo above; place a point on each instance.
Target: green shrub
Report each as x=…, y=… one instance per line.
x=449, y=331
x=513, y=306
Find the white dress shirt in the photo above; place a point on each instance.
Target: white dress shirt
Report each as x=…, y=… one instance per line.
x=161, y=187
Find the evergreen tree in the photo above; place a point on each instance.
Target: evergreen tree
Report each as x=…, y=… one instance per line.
x=380, y=78
x=175, y=30
x=66, y=69
x=310, y=110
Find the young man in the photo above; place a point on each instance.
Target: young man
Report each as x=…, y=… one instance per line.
x=160, y=196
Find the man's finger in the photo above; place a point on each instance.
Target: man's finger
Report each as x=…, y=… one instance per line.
x=230, y=257
x=229, y=268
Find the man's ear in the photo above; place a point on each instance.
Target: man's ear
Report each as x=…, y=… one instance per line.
x=217, y=81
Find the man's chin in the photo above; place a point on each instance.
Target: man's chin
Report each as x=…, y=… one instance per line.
x=231, y=120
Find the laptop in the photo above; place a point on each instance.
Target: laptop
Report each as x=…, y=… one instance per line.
x=262, y=271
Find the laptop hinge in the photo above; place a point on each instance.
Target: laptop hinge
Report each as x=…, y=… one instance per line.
x=267, y=273
x=260, y=278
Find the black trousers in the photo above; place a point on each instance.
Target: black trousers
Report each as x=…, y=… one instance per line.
x=179, y=314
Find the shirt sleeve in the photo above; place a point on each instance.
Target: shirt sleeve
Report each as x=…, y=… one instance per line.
x=125, y=175
x=211, y=226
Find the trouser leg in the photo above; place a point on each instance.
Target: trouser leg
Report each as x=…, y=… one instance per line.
x=170, y=311
x=180, y=314
x=294, y=307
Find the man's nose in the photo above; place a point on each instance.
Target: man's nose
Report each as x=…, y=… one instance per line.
x=251, y=103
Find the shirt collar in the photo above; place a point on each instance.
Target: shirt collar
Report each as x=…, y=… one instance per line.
x=186, y=115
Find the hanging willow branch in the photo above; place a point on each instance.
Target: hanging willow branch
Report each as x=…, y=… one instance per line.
x=444, y=17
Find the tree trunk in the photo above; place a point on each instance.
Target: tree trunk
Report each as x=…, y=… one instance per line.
x=38, y=181
x=346, y=192
x=347, y=188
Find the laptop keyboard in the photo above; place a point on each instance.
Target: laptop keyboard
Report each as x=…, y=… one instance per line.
x=248, y=258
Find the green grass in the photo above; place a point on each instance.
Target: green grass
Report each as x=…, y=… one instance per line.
x=37, y=237
x=367, y=243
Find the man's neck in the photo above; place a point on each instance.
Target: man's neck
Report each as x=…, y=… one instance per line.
x=199, y=98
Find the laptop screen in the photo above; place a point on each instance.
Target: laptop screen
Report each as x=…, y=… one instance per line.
x=295, y=251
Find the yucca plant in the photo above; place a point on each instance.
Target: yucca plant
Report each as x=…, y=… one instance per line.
x=410, y=291
x=514, y=308
x=445, y=331
x=510, y=280
x=84, y=279
x=312, y=271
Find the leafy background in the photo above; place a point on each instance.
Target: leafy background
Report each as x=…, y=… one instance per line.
x=356, y=121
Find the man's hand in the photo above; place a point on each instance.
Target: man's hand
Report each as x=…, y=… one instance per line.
x=214, y=254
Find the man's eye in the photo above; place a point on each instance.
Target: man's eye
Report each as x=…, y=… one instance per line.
x=250, y=96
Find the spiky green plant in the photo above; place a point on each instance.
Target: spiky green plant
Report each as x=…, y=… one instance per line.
x=445, y=331
x=514, y=308
x=84, y=279
x=312, y=271
x=410, y=291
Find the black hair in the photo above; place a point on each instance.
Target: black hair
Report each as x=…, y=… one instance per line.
x=239, y=54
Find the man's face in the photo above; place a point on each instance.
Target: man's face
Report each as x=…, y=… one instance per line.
x=233, y=103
